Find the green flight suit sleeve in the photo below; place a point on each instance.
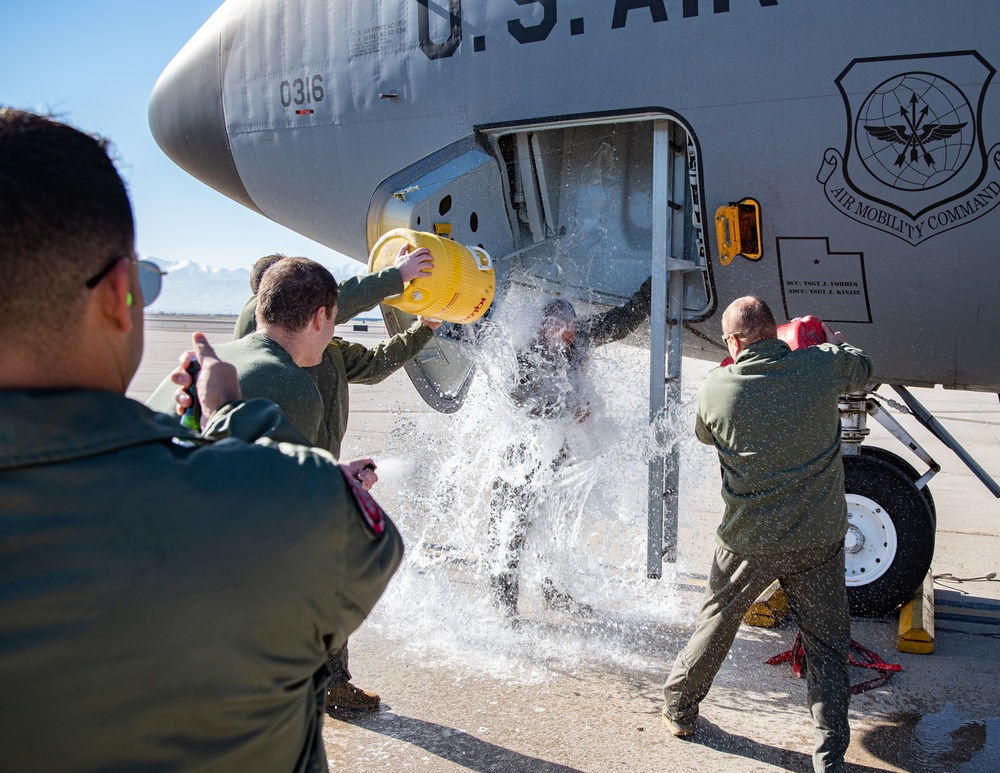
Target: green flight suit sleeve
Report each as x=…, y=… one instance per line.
x=162, y=399
x=615, y=324
x=251, y=421
x=701, y=430
x=363, y=293
x=370, y=366
x=247, y=322
x=856, y=366
x=370, y=546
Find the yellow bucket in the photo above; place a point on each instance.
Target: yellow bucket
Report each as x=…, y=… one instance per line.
x=459, y=289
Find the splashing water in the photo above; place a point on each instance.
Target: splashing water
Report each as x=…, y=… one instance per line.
x=586, y=536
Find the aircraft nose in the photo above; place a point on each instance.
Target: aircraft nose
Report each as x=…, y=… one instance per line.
x=186, y=115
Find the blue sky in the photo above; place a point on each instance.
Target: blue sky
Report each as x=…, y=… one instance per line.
x=94, y=63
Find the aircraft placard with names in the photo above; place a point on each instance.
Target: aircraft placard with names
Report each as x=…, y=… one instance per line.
x=829, y=285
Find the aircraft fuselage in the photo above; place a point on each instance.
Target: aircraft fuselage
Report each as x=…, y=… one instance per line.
x=869, y=134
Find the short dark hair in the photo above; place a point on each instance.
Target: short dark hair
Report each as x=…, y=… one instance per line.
x=64, y=215
x=292, y=290
x=262, y=265
x=558, y=308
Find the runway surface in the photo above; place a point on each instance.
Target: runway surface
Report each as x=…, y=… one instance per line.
x=579, y=688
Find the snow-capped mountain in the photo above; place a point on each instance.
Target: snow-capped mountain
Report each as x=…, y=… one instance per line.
x=191, y=288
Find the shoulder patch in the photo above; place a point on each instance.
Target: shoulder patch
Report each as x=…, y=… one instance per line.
x=373, y=515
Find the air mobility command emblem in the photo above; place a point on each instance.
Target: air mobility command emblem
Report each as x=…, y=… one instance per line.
x=915, y=164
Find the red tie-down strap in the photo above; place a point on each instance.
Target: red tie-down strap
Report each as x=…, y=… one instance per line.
x=865, y=659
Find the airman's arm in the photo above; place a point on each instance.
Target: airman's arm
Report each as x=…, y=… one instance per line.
x=370, y=366
x=617, y=323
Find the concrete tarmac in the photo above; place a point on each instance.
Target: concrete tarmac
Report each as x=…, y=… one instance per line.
x=450, y=710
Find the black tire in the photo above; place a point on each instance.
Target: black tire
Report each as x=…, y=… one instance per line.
x=891, y=495
x=901, y=464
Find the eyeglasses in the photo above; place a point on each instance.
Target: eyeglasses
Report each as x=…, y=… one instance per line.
x=150, y=278
x=727, y=336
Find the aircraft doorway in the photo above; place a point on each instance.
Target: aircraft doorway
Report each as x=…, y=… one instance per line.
x=581, y=208
x=596, y=206
x=582, y=201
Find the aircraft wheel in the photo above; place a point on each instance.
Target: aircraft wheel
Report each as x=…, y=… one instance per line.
x=890, y=536
x=901, y=464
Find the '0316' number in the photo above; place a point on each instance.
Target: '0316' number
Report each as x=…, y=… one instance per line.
x=302, y=91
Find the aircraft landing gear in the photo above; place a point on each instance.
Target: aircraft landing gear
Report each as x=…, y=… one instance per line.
x=892, y=518
x=903, y=466
x=890, y=537
x=891, y=515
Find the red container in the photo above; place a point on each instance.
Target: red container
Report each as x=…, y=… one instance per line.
x=800, y=333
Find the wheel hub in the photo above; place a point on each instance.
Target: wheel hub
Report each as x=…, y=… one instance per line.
x=871, y=542
x=854, y=541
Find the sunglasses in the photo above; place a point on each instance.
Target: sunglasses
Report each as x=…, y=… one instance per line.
x=150, y=278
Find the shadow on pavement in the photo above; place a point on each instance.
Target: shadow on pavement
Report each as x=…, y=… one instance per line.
x=714, y=737
x=455, y=745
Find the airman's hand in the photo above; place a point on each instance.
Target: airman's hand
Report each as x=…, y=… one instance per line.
x=433, y=324
x=363, y=471
x=831, y=336
x=182, y=378
x=218, y=383
x=414, y=264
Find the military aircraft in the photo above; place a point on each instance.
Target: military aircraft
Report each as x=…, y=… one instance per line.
x=836, y=159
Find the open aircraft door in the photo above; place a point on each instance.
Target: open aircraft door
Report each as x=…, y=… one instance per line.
x=584, y=207
x=457, y=193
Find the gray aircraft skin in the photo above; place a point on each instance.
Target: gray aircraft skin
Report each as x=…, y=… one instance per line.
x=586, y=145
